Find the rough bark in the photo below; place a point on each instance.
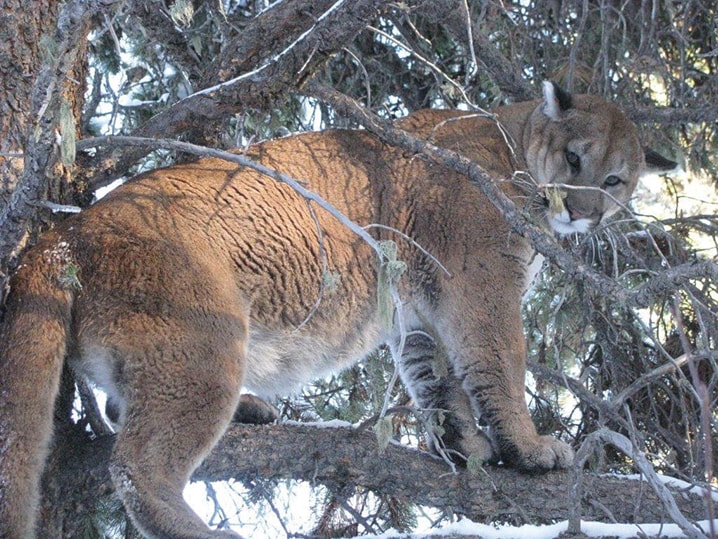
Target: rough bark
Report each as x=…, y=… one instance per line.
x=344, y=457
x=21, y=26
x=40, y=99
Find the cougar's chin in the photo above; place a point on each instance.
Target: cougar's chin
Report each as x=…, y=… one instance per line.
x=564, y=225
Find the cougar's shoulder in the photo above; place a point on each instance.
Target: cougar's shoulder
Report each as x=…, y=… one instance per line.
x=475, y=135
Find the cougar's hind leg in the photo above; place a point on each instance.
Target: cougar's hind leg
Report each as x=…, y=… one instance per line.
x=180, y=400
x=431, y=382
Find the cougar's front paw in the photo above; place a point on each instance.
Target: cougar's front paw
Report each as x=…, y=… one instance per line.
x=476, y=446
x=540, y=455
x=460, y=447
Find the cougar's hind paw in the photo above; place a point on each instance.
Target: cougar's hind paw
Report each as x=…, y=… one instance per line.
x=254, y=411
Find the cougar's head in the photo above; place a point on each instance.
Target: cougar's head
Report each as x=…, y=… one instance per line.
x=586, y=156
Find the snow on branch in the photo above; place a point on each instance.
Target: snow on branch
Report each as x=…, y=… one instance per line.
x=348, y=457
x=594, y=441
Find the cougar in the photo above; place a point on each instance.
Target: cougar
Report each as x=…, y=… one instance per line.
x=190, y=282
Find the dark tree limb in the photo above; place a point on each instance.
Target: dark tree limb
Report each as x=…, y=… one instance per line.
x=343, y=457
x=672, y=116
x=272, y=55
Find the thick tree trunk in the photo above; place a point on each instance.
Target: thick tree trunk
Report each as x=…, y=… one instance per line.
x=42, y=59
x=22, y=25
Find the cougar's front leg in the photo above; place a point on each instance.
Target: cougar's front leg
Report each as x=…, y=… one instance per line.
x=488, y=350
x=450, y=422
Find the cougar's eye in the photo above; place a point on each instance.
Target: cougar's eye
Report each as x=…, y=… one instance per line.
x=612, y=181
x=573, y=160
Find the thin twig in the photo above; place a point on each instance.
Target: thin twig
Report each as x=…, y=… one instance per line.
x=414, y=243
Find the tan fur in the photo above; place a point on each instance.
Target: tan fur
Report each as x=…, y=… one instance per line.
x=198, y=279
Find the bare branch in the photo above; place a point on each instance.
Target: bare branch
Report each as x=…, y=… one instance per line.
x=605, y=436
x=672, y=116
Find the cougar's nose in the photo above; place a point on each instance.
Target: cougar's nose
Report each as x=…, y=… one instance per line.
x=580, y=213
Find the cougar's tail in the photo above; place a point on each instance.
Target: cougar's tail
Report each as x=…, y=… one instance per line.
x=32, y=348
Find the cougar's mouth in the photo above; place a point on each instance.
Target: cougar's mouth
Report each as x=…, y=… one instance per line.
x=565, y=218
x=564, y=224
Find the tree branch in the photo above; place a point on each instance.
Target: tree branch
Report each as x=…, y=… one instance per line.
x=605, y=436
x=343, y=457
x=672, y=116
x=253, y=73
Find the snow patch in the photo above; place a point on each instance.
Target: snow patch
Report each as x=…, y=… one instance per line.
x=551, y=531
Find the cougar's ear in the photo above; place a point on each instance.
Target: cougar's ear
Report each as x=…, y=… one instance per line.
x=657, y=164
x=556, y=101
